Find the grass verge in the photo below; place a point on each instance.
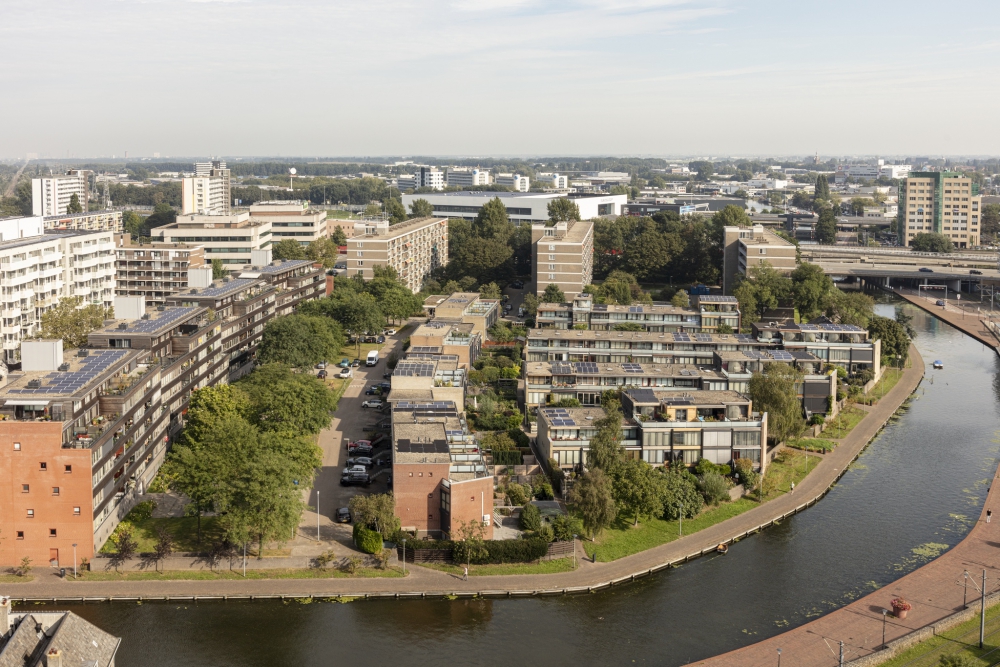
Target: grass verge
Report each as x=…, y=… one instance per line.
x=622, y=539
x=183, y=529
x=812, y=444
x=543, y=567
x=962, y=640
x=844, y=423
x=14, y=579
x=236, y=573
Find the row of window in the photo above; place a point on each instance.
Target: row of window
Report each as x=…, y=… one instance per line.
x=26, y=488
x=52, y=533
x=31, y=513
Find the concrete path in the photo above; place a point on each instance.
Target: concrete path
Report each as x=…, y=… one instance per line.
x=966, y=317
x=421, y=580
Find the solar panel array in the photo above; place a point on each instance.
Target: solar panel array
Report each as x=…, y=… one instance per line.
x=225, y=288
x=757, y=354
x=435, y=447
x=167, y=317
x=586, y=367
x=600, y=308
x=782, y=355
x=745, y=338
x=717, y=298
x=682, y=338
x=635, y=309
x=688, y=372
x=632, y=368
x=830, y=327
x=424, y=349
x=425, y=405
x=642, y=395
x=704, y=338
x=287, y=264
x=421, y=369
x=558, y=417
x=68, y=382
x=562, y=368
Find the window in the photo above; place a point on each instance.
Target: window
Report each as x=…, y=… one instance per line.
x=69, y=468
x=17, y=446
x=55, y=490
x=25, y=488
x=76, y=511
x=31, y=514
x=52, y=532
x=43, y=466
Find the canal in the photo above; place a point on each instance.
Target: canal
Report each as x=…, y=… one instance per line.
x=913, y=493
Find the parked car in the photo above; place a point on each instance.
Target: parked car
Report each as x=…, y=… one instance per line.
x=354, y=468
x=517, y=284
x=380, y=340
x=975, y=272
x=384, y=386
x=355, y=479
x=389, y=332
x=939, y=302
x=372, y=403
x=322, y=375
x=364, y=462
x=926, y=269
x=321, y=364
x=353, y=447
x=343, y=515
x=372, y=391
x=355, y=363
x=346, y=373
x=344, y=363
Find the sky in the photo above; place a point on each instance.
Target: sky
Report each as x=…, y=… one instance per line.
x=497, y=77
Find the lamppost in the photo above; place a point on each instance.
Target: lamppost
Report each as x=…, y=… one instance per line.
x=574, y=551
x=965, y=594
x=74, y=561
x=317, y=516
x=779, y=657
x=885, y=614
x=680, y=518
x=404, y=555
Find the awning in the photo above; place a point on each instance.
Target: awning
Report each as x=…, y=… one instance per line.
x=34, y=401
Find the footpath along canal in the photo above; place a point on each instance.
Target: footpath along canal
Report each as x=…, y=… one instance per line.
x=914, y=493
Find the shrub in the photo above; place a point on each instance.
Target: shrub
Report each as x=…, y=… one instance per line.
x=367, y=540
x=519, y=437
x=705, y=466
x=818, y=419
x=142, y=511
x=515, y=551
x=959, y=660
x=546, y=533
x=516, y=494
x=565, y=527
x=543, y=491
x=531, y=518
x=714, y=488
x=557, y=475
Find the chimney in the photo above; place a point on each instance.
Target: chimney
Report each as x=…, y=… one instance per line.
x=53, y=658
x=4, y=616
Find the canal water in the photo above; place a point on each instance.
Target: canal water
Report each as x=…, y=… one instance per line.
x=913, y=493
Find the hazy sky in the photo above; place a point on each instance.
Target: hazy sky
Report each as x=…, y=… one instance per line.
x=492, y=77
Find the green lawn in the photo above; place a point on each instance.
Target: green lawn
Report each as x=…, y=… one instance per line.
x=844, y=423
x=223, y=572
x=543, y=567
x=962, y=640
x=183, y=529
x=812, y=444
x=623, y=539
x=890, y=376
x=14, y=579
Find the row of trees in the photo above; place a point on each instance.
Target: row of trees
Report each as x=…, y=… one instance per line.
x=807, y=289
x=247, y=452
x=322, y=250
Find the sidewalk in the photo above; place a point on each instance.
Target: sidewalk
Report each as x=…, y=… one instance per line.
x=596, y=575
x=967, y=318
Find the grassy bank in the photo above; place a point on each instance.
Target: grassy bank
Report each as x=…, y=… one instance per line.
x=812, y=444
x=543, y=567
x=183, y=529
x=962, y=640
x=237, y=573
x=624, y=539
x=844, y=423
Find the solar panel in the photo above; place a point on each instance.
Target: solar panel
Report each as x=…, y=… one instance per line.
x=414, y=369
x=632, y=368
x=586, y=367
x=435, y=447
x=635, y=309
x=166, y=318
x=68, y=382
x=682, y=337
x=224, y=288
x=782, y=355
x=744, y=338
x=561, y=368
x=285, y=265
x=705, y=338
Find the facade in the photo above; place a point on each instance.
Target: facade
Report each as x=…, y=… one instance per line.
x=52, y=639
x=747, y=247
x=652, y=206
x=940, y=202
x=551, y=180
x=230, y=238
x=661, y=427
x=467, y=307
x=51, y=195
x=40, y=268
x=291, y=220
x=154, y=271
x=440, y=479
x=562, y=254
x=295, y=281
x=516, y=182
x=97, y=221
x=429, y=177
x=467, y=177
x=706, y=314
x=844, y=345
x=521, y=206
x=208, y=192
x=413, y=248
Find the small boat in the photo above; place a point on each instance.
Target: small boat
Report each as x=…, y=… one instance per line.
x=938, y=364
x=722, y=549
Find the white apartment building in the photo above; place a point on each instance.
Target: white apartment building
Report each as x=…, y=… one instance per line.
x=465, y=178
x=104, y=221
x=551, y=180
x=291, y=220
x=872, y=171
x=767, y=183
x=51, y=195
x=521, y=206
x=414, y=248
x=208, y=191
x=429, y=177
x=230, y=238
x=38, y=268
x=516, y=182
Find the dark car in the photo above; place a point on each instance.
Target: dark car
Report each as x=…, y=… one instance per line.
x=372, y=391
x=384, y=386
x=355, y=479
x=926, y=270
x=939, y=302
x=380, y=339
x=355, y=363
x=517, y=284
x=321, y=375
x=343, y=515
x=975, y=272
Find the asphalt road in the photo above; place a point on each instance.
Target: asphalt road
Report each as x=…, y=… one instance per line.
x=516, y=299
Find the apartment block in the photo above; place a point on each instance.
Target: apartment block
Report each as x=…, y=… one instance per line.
x=662, y=427
x=940, y=202
x=562, y=254
x=154, y=271
x=446, y=339
x=466, y=178
x=429, y=177
x=844, y=345
x=516, y=182
x=291, y=220
x=95, y=221
x=51, y=195
x=466, y=307
x=230, y=238
x=747, y=247
x=294, y=280
x=706, y=315
x=440, y=479
x=38, y=268
x=428, y=380
x=522, y=207
x=208, y=192
x=413, y=248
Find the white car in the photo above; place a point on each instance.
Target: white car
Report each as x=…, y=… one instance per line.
x=346, y=373
x=372, y=403
x=389, y=332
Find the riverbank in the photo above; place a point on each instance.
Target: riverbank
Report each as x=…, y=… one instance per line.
x=424, y=582
x=964, y=319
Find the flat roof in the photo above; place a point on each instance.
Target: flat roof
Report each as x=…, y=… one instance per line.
x=83, y=372
x=218, y=289
x=594, y=369
x=51, y=235
x=285, y=265
x=643, y=336
x=420, y=443
x=157, y=322
x=693, y=397
x=639, y=308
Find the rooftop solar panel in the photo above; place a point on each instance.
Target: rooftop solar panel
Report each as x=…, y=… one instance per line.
x=224, y=288
x=68, y=382
x=414, y=369
x=781, y=355
x=562, y=368
x=705, y=338
x=632, y=368
x=635, y=309
x=586, y=367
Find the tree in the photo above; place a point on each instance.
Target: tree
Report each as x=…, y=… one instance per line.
x=68, y=321
x=338, y=236
x=563, y=209
x=489, y=291
x=373, y=211
x=132, y=223
x=628, y=326
x=288, y=402
x=421, y=208
x=990, y=220
x=732, y=216
x=606, y=450
x=858, y=205
x=893, y=335
x=218, y=269
x=811, y=288
x=553, y=295
x=854, y=308
x=396, y=211
x=300, y=341
x=634, y=487
x=377, y=511
x=704, y=169
x=927, y=242
x=288, y=249
x=774, y=392
x=724, y=329
x=74, y=205
x=471, y=546
x=163, y=214
x=763, y=289
x=713, y=488
x=822, y=188
x=591, y=497
x=826, y=227
x=164, y=544
x=125, y=546
x=531, y=518
x=492, y=221
x=324, y=250
x=679, y=492
x=681, y=299
x=530, y=304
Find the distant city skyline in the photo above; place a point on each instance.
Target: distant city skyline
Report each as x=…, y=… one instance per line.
x=497, y=78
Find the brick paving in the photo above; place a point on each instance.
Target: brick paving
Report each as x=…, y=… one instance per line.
x=966, y=317
x=432, y=582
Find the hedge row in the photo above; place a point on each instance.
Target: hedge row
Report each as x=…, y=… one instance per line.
x=366, y=539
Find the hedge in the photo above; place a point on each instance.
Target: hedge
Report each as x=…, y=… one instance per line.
x=524, y=550
x=369, y=541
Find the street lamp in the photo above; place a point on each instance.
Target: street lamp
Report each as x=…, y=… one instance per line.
x=779, y=657
x=965, y=594
x=404, y=555
x=680, y=518
x=74, y=561
x=317, y=516
x=574, y=551
x=885, y=614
